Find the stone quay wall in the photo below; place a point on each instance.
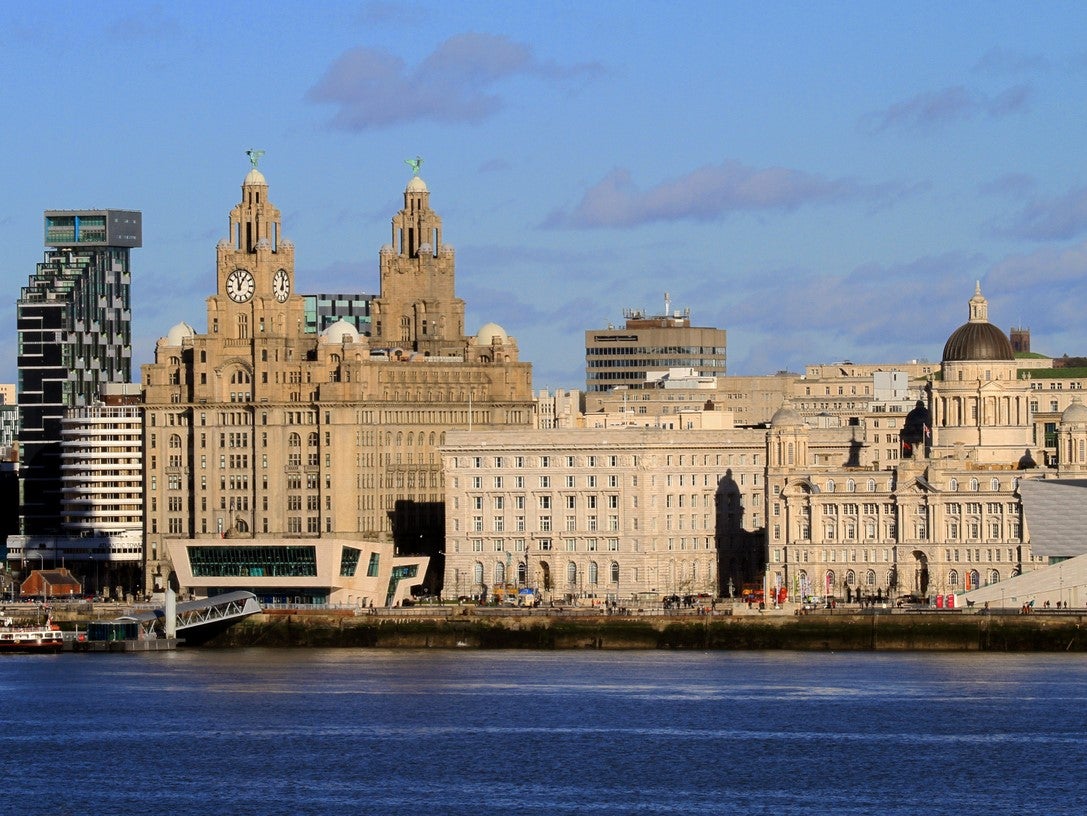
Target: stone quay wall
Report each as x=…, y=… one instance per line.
x=832, y=630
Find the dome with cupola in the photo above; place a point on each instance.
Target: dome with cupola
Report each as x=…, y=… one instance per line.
x=978, y=339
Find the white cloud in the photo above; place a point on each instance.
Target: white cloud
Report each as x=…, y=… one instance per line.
x=458, y=82
x=707, y=194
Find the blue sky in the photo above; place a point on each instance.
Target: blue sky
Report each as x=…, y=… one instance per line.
x=826, y=181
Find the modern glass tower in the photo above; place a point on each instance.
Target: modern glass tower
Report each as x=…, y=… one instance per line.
x=74, y=324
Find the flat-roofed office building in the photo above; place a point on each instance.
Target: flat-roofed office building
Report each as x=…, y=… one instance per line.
x=624, y=357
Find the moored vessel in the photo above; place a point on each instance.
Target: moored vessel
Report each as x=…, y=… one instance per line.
x=47, y=638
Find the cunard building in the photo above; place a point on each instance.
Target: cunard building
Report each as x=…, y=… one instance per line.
x=302, y=466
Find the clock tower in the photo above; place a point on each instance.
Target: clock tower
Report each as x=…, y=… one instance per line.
x=255, y=270
x=417, y=309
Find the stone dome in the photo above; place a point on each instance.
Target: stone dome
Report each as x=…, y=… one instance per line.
x=786, y=417
x=179, y=333
x=416, y=185
x=1075, y=414
x=254, y=176
x=491, y=333
x=977, y=339
x=338, y=331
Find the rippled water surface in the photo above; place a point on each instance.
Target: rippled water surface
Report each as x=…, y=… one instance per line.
x=470, y=732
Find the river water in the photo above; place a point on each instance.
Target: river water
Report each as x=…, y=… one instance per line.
x=255, y=732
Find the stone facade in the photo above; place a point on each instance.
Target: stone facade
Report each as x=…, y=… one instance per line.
x=258, y=432
x=586, y=515
x=918, y=499
x=945, y=518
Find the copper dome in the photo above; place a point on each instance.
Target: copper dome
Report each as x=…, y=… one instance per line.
x=978, y=339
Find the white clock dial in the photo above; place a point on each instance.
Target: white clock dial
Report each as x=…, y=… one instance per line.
x=281, y=285
x=239, y=285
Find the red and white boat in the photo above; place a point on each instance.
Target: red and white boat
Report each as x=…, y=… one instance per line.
x=47, y=638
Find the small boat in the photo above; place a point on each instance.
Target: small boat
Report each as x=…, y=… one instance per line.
x=32, y=639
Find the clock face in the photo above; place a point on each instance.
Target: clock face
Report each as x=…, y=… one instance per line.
x=281, y=285
x=239, y=285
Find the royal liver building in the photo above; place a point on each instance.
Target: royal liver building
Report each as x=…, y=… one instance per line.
x=259, y=433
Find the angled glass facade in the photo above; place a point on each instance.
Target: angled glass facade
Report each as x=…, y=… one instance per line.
x=74, y=326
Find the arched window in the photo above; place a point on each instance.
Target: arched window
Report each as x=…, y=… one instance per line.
x=594, y=576
x=871, y=485
x=870, y=578
x=953, y=578
x=312, y=441
x=615, y=572
x=521, y=573
x=994, y=577
x=953, y=485
x=477, y=572
x=994, y=485
x=974, y=486
x=175, y=441
x=571, y=573
x=830, y=485
x=294, y=441
x=850, y=577
x=499, y=572
x=975, y=579
x=850, y=486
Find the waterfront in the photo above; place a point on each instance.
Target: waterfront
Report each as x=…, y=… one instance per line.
x=260, y=731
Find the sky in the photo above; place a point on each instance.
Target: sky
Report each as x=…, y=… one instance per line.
x=826, y=181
